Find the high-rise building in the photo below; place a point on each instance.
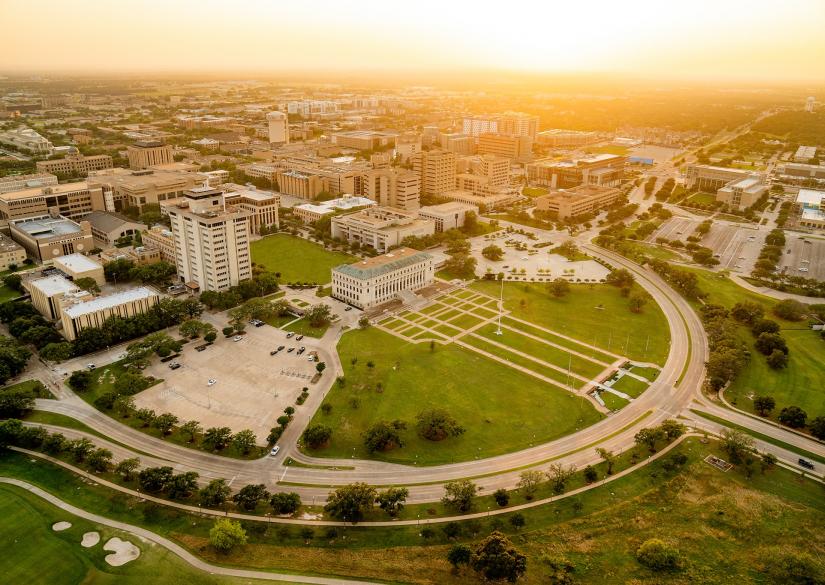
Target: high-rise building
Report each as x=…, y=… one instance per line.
x=437, y=171
x=278, y=127
x=146, y=153
x=393, y=188
x=211, y=239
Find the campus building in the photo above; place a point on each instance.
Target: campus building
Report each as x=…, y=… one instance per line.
x=310, y=212
x=457, y=143
x=437, y=169
x=514, y=148
x=298, y=184
x=10, y=252
x=77, y=266
x=809, y=205
x=804, y=154
x=262, y=207
x=160, y=238
x=742, y=193
x=377, y=280
x=27, y=140
x=46, y=237
x=790, y=171
x=124, y=188
x=710, y=178
x=108, y=228
x=558, y=138
x=508, y=124
x=393, y=188
x=146, y=153
x=211, y=239
x=578, y=200
x=603, y=170
x=72, y=200
x=364, y=139
x=75, y=164
x=277, y=128
x=447, y=216
x=77, y=315
x=21, y=182
x=380, y=227
x=47, y=294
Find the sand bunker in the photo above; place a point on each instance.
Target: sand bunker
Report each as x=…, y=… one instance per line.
x=90, y=539
x=59, y=526
x=123, y=552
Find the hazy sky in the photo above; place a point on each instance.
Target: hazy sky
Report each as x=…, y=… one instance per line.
x=747, y=39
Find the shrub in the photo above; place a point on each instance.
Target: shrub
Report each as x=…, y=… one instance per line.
x=655, y=554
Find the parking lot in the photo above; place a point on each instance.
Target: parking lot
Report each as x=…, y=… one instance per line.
x=804, y=256
x=251, y=387
x=735, y=246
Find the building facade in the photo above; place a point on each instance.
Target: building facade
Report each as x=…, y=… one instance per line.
x=278, y=128
x=21, y=182
x=437, y=170
x=47, y=237
x=380, y=227
x=72, y=200
x=77, y=315
x=11, y=253
x=602, y=170
x=447, y=216
x=578, y=201
x=146, y=153
x=393, y=188
x=377, y=280
x=75, y=164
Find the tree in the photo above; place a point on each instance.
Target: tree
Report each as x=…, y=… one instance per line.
x=250, y=495
x=459, y=494
x=817, y=427
x=747, y=312
x=16, y=403
x=363, y=322
x=620, y=278
x=350, y=502
x=214, y=493
x=763, y=405
x=14, y=282
x=226, y=534
x=57, y=352
x=636, y=302
x=559, y=475
x=793, y=416
x=80, y=449
x=127, y=468
x=492, y=252
x=437, y=424
x=191, y=428
x=164, y=422
x=244, y=440
x=210, y=337
x=320, y=367
x=384, y=436
x=790, y=310
x=10, y=432
x=183, y=485
x=655, y=554
x=80, y=380
x=99, y=460
x=145, y=415
x=529, y=481
x=672, y=429
x=764, y=326
x=285, y=503
x=649, y=438
x=497, y=559
x=501, y=497
x=789, y=567
x=608, y=458
x=590, y=474
x=392, y=500
x=778, y=359
x=317, y=435
x=768, y=461
x=517, y=521
x=155, y=479
x=558, y=287
x=194, y=328
x=459, y=554
x=53, y=444
x=318, y=315
x=124, y=406
x=767, y=343
x=736, y=444
x=217, y=438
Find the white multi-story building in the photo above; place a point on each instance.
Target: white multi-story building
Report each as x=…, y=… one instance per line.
x=77, y=315
x=20, y=182
x=308, y=108
x=508, y=123
x=211, y=239
x=377, y=280
x=380, y=227
x=27, y=140
x=278, y=127
x=447, y=216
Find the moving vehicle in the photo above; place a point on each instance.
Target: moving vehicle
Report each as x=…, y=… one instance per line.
x=805, y=463
x=275, y=450
x=90, y=366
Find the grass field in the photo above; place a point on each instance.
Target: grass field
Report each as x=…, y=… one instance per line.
x=502, y=409
x=35, y=554
x=725, y=525
x=801, y=384
x=296, y=259
x=701, y=199
x=644, y=336
x=534, y=191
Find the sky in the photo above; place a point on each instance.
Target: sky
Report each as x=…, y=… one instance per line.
x=702, y=39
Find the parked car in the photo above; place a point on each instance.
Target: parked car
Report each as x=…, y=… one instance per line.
x=238, y=338
x=90, y=366
x=299, y=338
x=301, y=350
x=211, y=382
x=274, y=351
x=348, y=308
x=174, y=366
x=290, y=350
x=275, y=450
x=289, y=335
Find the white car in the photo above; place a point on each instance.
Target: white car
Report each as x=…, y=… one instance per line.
x=211, y=382
x=238, y=338
x=275, y=450
x=90, y=366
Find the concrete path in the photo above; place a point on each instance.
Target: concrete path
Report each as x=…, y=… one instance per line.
x=175, y=548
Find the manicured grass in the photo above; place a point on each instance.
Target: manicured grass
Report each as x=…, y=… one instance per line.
x=302, y=327
x=577, y=315
x=613, y=402
x=35, y=386
x=565, y=381
x=296, y=259
x=702, y=199
x=558, y=340
x=630, y=386
x=35, y=554
x=721, y=290
x=7, y=294
x=649, y=373
x=501, y=409
x=534, y=191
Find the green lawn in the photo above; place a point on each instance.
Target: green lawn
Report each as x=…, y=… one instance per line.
x=577, y=315
x=502, y=409
x=35, y=554
x=36, y=386
x=630, y=386
x=701, y=199
x=296, y=259
x=302, y=327
x=613, y=402
x=534, y=191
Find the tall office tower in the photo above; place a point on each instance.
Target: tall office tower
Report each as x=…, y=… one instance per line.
x=146, y=153
x=278, y=128
x=211, y=239
x=437, y=171
x=393, y=188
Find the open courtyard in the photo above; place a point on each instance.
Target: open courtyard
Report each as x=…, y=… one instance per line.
x=296, y=259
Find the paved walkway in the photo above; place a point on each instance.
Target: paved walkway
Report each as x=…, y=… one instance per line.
x=774, y=294
x=175, y=548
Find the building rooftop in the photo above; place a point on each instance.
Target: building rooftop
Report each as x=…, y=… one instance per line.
x=43, y=189
x=448, y=207
x=749, y=183
x=813, y=214
x=389, y=262
x=8, y=245
x=46, y=227
x=810, y=197
x=54, y=285
x=109, y=301
x=105, y=221
x=78, y=262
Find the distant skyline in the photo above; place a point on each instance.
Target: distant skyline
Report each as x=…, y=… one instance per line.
x=757, y=40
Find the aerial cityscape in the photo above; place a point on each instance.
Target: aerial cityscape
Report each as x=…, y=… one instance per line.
x=442, y=293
